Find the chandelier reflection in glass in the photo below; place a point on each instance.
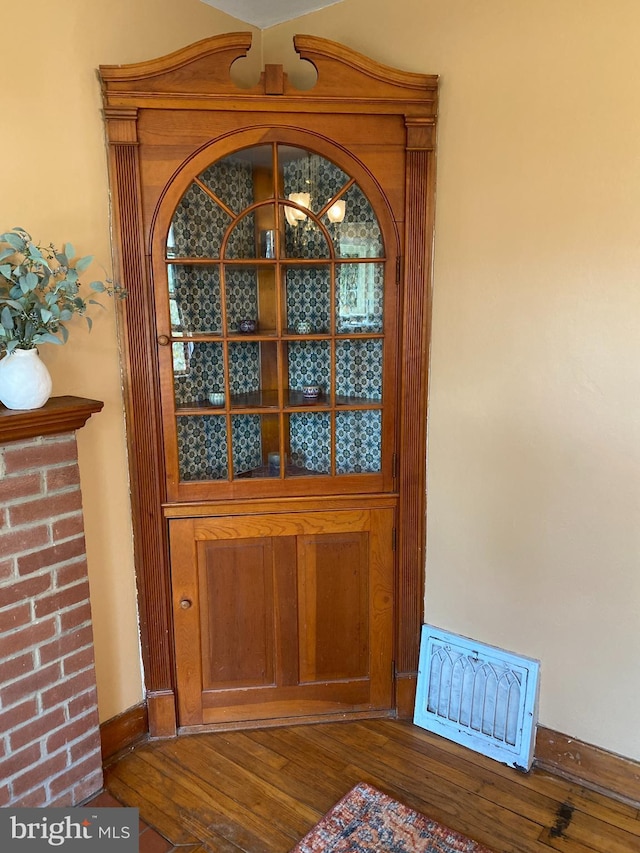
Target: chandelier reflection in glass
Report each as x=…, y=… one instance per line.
x=309, y=178
x=294, y=214
x=335, y=213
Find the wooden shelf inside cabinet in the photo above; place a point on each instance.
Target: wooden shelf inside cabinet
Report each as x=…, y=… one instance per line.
x=316, y=335
x=191, y=338
x=198, y=407
x=264, y=471
x=359, y=333
x=357, y=402
x=261, y=335
x=296, y=400
x=255, y=400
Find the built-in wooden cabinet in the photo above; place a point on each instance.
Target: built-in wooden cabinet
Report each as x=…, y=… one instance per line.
x=275, y=244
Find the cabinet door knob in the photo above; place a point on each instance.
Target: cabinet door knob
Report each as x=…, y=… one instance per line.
x=186, y=603
x=163, y=340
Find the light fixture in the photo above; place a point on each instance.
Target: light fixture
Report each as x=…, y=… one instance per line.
x=337, y=210
x=293, y=214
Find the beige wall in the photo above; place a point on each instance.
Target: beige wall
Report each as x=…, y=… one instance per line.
x=54, y=183
x=534, y=433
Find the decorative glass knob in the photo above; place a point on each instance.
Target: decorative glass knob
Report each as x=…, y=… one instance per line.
x=186, y=603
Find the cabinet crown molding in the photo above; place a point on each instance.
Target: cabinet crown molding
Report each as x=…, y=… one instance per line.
x=201, y=73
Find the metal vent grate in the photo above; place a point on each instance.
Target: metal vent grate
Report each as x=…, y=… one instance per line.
x=478, y=696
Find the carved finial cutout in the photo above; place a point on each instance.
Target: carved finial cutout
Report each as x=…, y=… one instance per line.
x=300, y=74
x=304, y=75
x=245, y=71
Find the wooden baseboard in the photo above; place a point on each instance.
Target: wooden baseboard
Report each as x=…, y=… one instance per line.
x=595, y=768
x=588, y=765
x=124, y=732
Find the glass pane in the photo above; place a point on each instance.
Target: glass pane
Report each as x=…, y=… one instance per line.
x=358, y=234
x=242, y=239
x=241, y=289
x=309, y=365
x=303, y=238
x=358, y=442
x=308, y=298
x=198, y=373
x=305, y=172
x=194, y=299
x=267, y=240
x=359, y=297
x=309, y=443
x=241, y=178
x=358, y=370
x=197, y=227
x=202, y=447
x=244, y=367
x=255, y=444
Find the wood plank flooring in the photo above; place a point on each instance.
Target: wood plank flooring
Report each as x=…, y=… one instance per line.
x=260, y=791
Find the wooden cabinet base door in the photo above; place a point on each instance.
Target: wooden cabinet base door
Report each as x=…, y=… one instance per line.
x=282, y=615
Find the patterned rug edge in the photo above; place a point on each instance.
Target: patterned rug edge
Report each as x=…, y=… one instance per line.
x=366, y=820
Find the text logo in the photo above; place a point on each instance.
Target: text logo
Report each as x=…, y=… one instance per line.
x=35, y=830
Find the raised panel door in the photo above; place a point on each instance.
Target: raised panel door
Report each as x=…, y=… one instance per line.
x=281, y=615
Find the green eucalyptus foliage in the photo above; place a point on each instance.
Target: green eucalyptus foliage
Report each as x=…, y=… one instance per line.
x=40, y=291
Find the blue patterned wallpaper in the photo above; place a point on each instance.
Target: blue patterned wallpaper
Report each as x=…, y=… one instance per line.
x=358, y=442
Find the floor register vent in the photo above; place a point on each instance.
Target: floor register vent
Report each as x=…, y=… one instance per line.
x=479, y=696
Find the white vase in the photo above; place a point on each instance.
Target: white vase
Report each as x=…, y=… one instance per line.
x=25, y=382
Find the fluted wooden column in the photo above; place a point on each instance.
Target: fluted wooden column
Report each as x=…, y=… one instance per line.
x=413, y=424
x=143, y=422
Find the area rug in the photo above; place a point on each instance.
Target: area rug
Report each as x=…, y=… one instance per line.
x=368, y=821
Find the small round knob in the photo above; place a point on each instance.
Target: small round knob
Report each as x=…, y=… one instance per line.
x=163, y=340
x=186, y=603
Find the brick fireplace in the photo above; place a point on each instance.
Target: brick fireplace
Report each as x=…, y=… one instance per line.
x=49, y=734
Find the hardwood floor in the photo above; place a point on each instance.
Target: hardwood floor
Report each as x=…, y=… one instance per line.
x=260, y=791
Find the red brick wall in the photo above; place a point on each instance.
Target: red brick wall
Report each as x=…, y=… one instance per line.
x=49, y=735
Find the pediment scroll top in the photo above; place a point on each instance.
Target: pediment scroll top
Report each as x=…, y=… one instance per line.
x=225, y=66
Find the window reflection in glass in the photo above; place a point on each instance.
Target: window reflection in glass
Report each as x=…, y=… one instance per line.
x=359, y=298
x=241, y=178
x=198, y=372
x=197, y=227
x=194, y=299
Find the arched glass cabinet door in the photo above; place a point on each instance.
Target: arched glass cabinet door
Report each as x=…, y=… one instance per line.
x=280, y=377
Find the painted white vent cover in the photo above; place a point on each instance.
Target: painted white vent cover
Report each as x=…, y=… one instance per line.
x=479, y=696
x=265, y=14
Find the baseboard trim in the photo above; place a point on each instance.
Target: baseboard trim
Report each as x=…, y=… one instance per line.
x=605, y=772
x=124, y=732
x=590, y=766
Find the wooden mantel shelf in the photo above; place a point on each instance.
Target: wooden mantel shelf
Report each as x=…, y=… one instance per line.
x=58, y=415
